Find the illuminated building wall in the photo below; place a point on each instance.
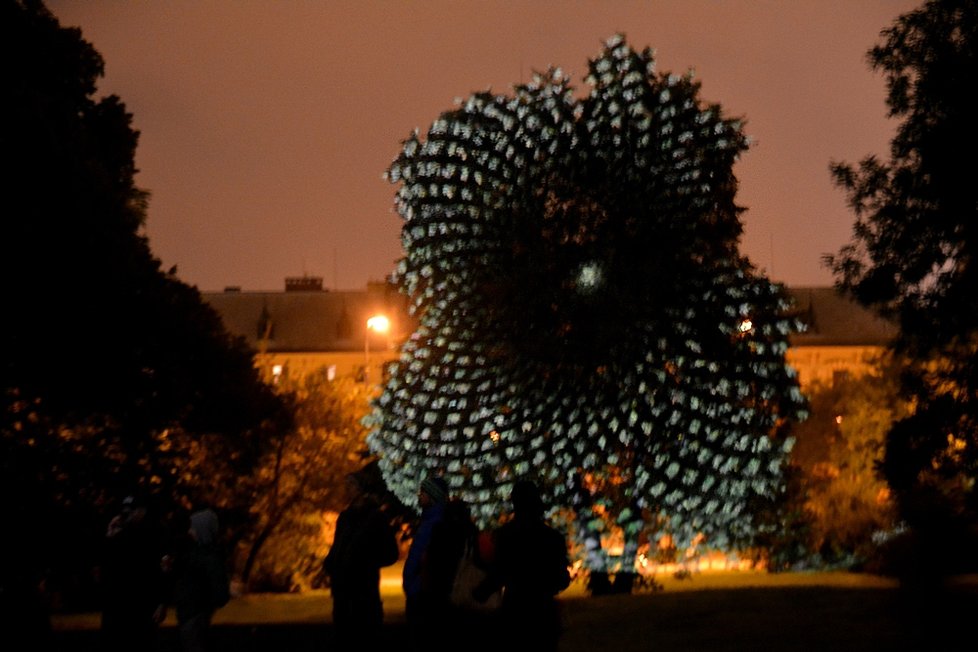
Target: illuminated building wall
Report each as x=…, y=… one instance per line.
x=306, y=327
x=301, y=330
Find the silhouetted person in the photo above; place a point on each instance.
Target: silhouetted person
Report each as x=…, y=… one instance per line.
x=365, y=542
x=462, y=622
x=530, y=563
x=131, y=581
x=423, y=604
x=200, y=580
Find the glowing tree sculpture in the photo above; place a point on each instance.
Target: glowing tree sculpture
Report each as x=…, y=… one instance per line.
x=584, y=314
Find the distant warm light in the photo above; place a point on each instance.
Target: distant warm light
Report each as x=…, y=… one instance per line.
x=883, y=496
x=956, y=444
x=277, y=371
x=694, y=562
x=379, y=324
x=494, y=436
x=746, y=325
x=838, y=419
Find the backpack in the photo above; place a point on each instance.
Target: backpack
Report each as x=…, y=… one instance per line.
x=469, y=574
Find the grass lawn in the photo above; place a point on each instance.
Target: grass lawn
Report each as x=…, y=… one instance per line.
x=714, y=610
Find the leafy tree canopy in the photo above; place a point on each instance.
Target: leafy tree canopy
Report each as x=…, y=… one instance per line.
x=913, y=254
x=915, y=240
x=302, y=476
x=112, y=368
x=585, y=316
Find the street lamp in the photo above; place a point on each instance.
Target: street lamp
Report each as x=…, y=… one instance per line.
x=377, y=324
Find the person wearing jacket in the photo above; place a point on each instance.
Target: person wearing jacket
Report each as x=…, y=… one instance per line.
x=530, y=564
x=421, y=603
x=201, y=584
x=364, y=542
x=131, y=579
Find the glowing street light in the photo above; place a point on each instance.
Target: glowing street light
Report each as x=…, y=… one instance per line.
x=377, y=324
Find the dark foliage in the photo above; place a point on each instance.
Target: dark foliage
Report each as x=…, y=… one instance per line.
x=913, y=253
x=116, y=377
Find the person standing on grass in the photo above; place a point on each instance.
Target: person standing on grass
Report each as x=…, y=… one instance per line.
x=455, y=564
x=201, y=584
x=530, y=564
x=364, y=542
x=131, y=580
x=421, y=600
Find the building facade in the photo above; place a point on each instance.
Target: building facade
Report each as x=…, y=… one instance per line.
x=306, y=328
x=841, y=338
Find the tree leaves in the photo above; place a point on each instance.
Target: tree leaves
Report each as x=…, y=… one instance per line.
x=573, y=264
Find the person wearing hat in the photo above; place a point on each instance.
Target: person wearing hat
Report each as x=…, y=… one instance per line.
x=420, y=606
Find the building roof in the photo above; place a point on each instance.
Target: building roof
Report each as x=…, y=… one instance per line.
x=324, y=320
x=836, y=320
x=311, y=321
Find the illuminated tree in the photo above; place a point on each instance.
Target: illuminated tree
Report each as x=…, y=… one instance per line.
x=839, y=451
x=301, y=476
x=584, y=314
x=913, y=258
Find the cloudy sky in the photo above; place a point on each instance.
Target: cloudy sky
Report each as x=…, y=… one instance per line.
x=266, y=126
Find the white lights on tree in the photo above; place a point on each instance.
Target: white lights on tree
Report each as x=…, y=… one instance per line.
x=573, y=266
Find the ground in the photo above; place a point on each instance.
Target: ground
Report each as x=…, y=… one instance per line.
x=730, y=611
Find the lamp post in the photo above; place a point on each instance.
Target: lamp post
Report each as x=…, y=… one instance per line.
x=377, y=324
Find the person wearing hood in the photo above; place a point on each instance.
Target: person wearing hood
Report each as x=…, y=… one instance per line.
x=201, y=584
x=420, y=602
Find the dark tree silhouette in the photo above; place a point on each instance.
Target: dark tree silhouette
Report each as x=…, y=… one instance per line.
x=585, y=316
x=115, y=375
x=913, y=257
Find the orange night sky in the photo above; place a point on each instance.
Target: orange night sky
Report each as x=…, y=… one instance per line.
x=266, y=126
